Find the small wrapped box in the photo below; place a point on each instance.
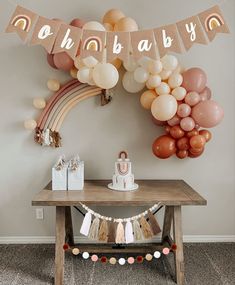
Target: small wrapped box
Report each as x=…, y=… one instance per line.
x=59, y=175
x=76, y=174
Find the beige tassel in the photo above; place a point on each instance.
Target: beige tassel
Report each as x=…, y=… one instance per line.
x=120, y=234
x=146, y=229
x=94, y=229
x=112, y=232
x=137, y=231
x=153, y=223
x=103, y=231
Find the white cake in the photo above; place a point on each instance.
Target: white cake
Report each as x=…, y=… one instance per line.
x=123, y=179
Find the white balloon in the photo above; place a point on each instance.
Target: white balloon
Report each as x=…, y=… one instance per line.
x=169, y=62
x=129, y=83
x=93, y=25
x=164, y=107
x=39, y=103
x=130, y=64
x=141, y=75
x=105, y=75
x=30, y=124
x=179, y=93
x=165, y=74
x=90, y=61
x=175, y=80
x=153, y=81
x=144, y=61
x=163, y=88
x=84, y=74
x=155, y=66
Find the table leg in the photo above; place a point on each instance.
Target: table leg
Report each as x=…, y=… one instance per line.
x=178, y=239
x=69, y=226
x=166, y=232
x=59, y=251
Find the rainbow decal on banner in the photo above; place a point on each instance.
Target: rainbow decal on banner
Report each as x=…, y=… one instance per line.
x=213, y=21
x=22, y=21
x=93, y=43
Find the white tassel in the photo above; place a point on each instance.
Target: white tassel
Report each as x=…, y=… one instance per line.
x=86, y=224
x=129, y=232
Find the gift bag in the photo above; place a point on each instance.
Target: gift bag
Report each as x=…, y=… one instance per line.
x=59, y=175
x=76, y=174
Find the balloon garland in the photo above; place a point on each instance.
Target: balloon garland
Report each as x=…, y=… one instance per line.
x=179, y=100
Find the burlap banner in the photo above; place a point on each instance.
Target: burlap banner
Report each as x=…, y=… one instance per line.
x=56, y=36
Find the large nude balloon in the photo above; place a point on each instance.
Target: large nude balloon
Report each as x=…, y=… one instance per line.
x=164, y=107
x=194, y=79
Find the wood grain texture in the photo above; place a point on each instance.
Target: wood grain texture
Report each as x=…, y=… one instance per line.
x=167, y=192
x=168, y=216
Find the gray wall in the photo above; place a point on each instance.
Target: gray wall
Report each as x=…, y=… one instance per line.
x=98, y=133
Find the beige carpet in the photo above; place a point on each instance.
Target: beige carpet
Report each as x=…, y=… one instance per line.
x=205, y=264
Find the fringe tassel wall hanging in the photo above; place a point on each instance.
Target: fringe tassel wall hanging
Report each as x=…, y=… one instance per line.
x=120, y=230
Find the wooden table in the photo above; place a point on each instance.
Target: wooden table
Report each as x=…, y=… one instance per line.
x=171, y=193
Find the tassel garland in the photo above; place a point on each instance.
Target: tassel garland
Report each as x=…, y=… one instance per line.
x=112, y=232
x=103, y=231
x=153, y=223
x=137, y=231
x=129, y=232
x=94, y=229
x=146, y=229
x=120, y=238
x=86, y=224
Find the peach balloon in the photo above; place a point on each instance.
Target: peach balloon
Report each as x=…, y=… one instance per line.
x=194, y=79
x=63, y=61
x=187, y=124
x=147, y=99
x=113, y=16
x=108, y=27
x=126, y=24
x=164, y=107
x=179, y=93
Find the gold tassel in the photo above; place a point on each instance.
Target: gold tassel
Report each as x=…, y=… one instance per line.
x=146, y=229
x=120, y=234
x=153, y=223
x=112, y=232
x=137, y=231
x=94, y=229
x=103, y=231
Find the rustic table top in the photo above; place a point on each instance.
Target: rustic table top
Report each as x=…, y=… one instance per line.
x=167, y=192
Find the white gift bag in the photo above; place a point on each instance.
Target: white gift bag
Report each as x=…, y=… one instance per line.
x=76, y=174
x=59, y=175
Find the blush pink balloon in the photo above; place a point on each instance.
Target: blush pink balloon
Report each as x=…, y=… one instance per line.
x=207, y=114
x=184, y=110
x=63, y=61
x=174, y=121
x=194, y=79
x=77, y=23
x=50, y=60
x=192, y=98
x=205, y=94
x=187, y=124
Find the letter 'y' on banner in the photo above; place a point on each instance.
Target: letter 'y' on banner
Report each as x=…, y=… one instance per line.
x=21, y=22
x=167, y=39
x=191, y=32
x=143, y=44
x=68, y=40
x=118, y=45
x=92, y=44
x=44, y=33
x=213, y=22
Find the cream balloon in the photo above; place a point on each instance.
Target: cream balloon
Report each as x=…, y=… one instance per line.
x=147, y=99
x=93, y=25
x=129, y=83
x=153, y=81
x=39, y=103
x=113, y=16
x=144, y=62
x=165, y=74
x=164, y=107
x=30, y=124
x=169, y=62
x=126, y=24
x=105, y=75
x=163, y=88
x=141, y=75
x=84, y=74
x=130, y=64
x=90, y=61
x=154, y=66
x=53, y=84
x=175, y=80
x=179, y=93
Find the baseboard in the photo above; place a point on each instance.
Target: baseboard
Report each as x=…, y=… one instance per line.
x=79, y=239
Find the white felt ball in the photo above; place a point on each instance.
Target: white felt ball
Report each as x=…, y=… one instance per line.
x=179, y=93
x=169, y=62
x=121, y=261
x=154, y=81
x=175, y=80
x=53, y=84
x=163, y=88
x=144, y=61
x=130, y=64
x=141, y=75
x=30, y=124
x=90, y=61
x=84, y=74
x=93, y=25
x=105, y=75
x=129, y=83
x=155, y=66
x=165, y=74
x=85, y=255
x=157, y=254
x=39, y=103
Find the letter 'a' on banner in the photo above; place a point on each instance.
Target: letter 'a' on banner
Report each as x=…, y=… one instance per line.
x=191, y=32
x=68, y=40
x=92, y=44
x=167, y=39
x=213, y=22
x=45, y=33
x=143, y=44
x=118, y=45
x=21, y=22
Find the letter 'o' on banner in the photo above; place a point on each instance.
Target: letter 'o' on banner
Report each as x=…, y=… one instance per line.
x=118, y=45
x=45, y=33
x=21, y=22
x=191, y=32
x=68, y=40
x=167, y=39
x=213, y=22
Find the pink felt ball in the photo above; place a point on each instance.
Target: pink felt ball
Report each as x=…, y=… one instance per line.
x=187, y=124
x=63, y=61
x=165, y=250
x=184, y=110
x=94, y=257
x=130, y=260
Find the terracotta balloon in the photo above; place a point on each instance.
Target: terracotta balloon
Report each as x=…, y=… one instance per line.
x=197, y=142
x=50, y=60
x=126, y=24
x=192, y=133
x=176, y=132
x=195, y=153
x=174, y=121
x=205, y=94
x=206, y=134
x=183, y=110
x=183, y=143
x=187, y=124
x=167, y=129
x=207, y=114
x=182, y=154
x=147, y=99
x=63, y=61
x=77, y=23
x=194, y=79
x=164, y=147
x=113, y=16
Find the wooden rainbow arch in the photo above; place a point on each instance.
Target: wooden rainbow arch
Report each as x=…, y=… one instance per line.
x=59, y=105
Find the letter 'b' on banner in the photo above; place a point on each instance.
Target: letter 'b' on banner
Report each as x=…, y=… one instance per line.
x=118, y=45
